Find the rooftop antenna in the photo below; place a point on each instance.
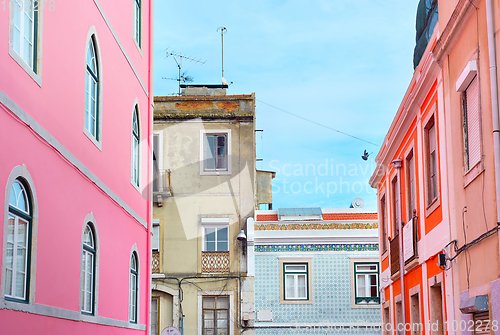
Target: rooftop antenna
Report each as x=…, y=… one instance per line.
x=177, y=56
x=222, y=30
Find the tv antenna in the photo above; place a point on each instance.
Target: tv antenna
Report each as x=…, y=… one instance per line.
x=178, y=57
x=222, y=30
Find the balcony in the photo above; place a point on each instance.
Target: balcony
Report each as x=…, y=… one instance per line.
x=215, y=261
x=155, y=263
x=161, y=186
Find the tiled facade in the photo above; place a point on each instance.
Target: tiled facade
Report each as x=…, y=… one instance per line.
x=330, y=310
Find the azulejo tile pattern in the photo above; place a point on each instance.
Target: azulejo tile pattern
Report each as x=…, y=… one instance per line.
x=316, y=226
x=316, y=247
x=331, y=292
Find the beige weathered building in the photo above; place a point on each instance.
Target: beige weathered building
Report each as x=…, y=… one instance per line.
x=204, y=151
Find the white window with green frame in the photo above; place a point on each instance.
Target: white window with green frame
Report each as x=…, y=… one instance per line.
x=366, y=283
x=295, y=280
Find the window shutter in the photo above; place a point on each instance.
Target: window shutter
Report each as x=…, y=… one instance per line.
x=155, y=239
x=473, y=123
x=482, y=325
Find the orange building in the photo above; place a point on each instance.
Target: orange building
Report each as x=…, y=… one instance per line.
x=438, y=180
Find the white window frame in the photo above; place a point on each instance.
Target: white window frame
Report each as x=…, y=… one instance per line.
x=216, y=226
x=133, y=289
x=97, y=137
x=33, y=66
x=203, y=144
x=135, y=153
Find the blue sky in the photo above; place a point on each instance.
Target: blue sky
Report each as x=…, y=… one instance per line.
x=342, y=64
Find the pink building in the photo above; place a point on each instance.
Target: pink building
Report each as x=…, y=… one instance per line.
x=75, y=126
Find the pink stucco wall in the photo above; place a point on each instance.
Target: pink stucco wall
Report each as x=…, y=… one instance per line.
x=65, y=195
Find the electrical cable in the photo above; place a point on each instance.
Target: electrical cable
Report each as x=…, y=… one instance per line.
x=317, y=123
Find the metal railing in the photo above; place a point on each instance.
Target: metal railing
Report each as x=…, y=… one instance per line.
x=161, y=183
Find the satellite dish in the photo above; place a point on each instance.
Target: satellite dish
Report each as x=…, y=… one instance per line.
x=357, y=203
x=170, y=331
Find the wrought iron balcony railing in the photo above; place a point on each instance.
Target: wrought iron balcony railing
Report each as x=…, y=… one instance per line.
x=215, y=261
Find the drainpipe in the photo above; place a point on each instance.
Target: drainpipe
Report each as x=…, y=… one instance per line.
x=398, y=163
x=494, y=99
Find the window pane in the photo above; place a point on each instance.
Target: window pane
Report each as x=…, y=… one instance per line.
x=22, y=233
x=8, y=282
x=295, y=268
x=367, y=268
x=222, y=331
x=10, y=229
x=87, y=237
x=21, y=259
x=210, y=234
x=222, y=246
x=222, y=234
x=210, y=153
x=210, y=246
x=222, y=302
x=20, y=284
x=290, y=286
x=361, y=283
x=208, y=302
x=221, y=323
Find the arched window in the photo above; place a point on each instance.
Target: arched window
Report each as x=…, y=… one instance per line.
x=135, y=147
x=132, y=314
x=87, y=293
x=18, y=242
x=92, y=91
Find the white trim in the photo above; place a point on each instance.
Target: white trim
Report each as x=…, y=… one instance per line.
x=37, y=77
x=231, y=308
x=203, y=133
x=122, y=49
x=66, y=314
x=21, y=171
x=466, y=77
x=216, y=221
x=66, y=154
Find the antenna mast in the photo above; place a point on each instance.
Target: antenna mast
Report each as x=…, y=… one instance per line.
x=222, y=30
x=178, y=60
